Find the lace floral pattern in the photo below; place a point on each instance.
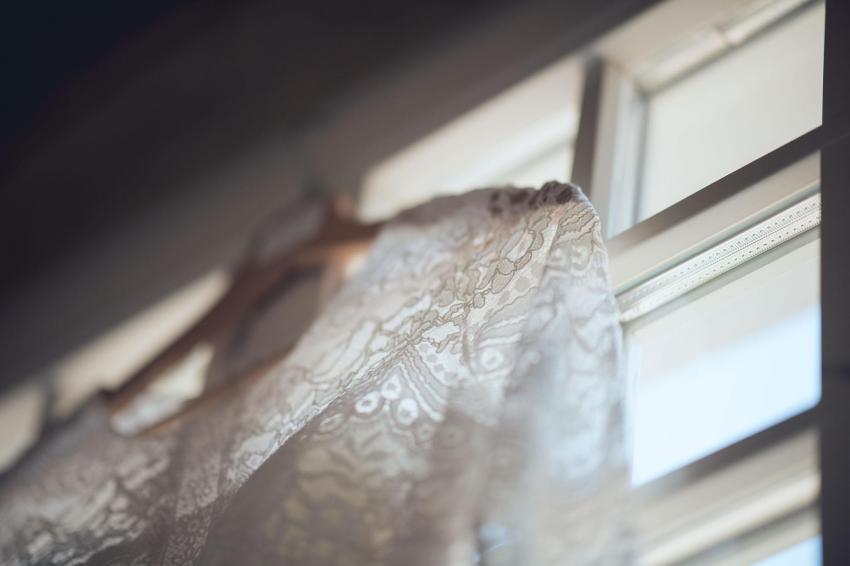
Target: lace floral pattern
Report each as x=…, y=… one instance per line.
x=458, y=402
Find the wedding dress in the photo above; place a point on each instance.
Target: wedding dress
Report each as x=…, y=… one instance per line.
x=459, y=401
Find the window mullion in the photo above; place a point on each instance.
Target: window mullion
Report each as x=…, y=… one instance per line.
x=607, y=156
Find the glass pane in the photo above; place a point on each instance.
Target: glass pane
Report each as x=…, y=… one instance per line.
x=551, y=165
x=727, y=364
x=728, y=113
x=522, y=136
x=806, y=553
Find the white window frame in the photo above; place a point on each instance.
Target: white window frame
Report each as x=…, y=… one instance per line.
x=689, y=514
x=683, y=516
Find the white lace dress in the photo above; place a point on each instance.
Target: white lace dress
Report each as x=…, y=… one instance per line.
x=458, y=402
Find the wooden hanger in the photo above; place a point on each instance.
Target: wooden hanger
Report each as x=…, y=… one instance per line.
x=337, y=237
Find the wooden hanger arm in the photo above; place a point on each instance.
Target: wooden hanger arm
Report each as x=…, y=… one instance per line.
x=141, y=379
x=251, y=281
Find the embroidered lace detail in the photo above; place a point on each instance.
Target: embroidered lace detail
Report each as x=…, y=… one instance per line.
x=458, y=402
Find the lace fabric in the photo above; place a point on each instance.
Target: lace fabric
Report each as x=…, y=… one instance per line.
x=458, y=402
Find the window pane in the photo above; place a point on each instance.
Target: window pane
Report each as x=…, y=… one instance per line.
x=523, y=136
x=737, y=108
x=727, y=365
x=806, y=553
x=553, y=164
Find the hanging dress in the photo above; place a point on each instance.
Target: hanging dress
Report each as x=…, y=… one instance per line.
x=459, y=401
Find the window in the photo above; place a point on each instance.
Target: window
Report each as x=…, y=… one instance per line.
x=733, y=109
x=692, y=92
x=522, y=137
x=806, y=553
x=701, y=155
x=719, y=292
x=728, y=364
